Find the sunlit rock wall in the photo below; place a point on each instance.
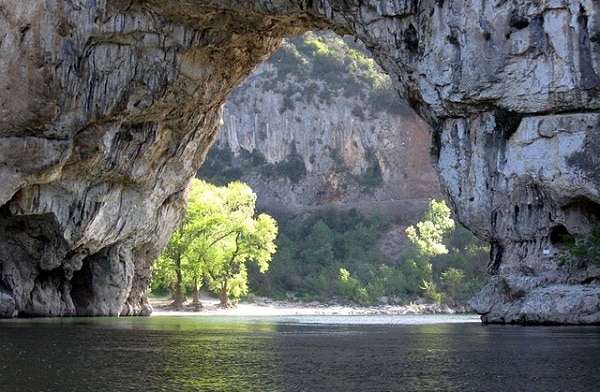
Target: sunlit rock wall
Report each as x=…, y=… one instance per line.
x=357, y=152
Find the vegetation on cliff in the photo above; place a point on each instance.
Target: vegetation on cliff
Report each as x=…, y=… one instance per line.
x=322, y=71
x=580, y=250
x=221, y=167
x=329, y=66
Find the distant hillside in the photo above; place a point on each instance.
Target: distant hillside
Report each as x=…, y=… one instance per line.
x=318, y=123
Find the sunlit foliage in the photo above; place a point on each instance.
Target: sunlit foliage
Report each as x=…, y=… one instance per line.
x=220, y=234
x=336, y=254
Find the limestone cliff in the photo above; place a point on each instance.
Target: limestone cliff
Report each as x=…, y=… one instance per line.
x=357, y=145
x=108, y=107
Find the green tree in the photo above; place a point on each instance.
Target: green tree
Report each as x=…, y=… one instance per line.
x=168, y=270
x=454, y=284
x=416, y=269
x=427, y=237
x=428, y=234
x=430, y=292
x=350, y=287
x=318, y=245
x=233, y=236
x=250, y=239
x=218, y=236
x=581, y=250
x=182, y=262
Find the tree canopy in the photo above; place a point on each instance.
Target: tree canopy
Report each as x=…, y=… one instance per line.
x=220, y=233
x=444, y=278
x=429, y=233
x=337, y=254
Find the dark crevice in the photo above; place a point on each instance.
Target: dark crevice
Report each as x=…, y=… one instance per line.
x=496, y=253
x=507, y=122
x=559, y=235
x=411, y=39
x=518, y=22
x=589, y=79
x=591, y=280
x=82, y=292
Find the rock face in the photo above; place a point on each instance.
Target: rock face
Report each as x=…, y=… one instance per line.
x=108, y=107
x=353, y=150
x=538, y=184
x=107, y=111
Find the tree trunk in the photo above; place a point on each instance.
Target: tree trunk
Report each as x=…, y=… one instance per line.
x=178, y=301
x=223, y=295
x=196, y=299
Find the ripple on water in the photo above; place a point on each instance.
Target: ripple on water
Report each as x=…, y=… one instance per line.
x=295, y=353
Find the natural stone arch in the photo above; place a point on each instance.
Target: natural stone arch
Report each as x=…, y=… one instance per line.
x=115, y=103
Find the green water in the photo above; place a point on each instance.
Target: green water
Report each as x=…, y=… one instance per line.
x=304, y=353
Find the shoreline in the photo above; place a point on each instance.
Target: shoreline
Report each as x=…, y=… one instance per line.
x=268, y=307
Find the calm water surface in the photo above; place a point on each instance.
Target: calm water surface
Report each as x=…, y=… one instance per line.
x=304, y=353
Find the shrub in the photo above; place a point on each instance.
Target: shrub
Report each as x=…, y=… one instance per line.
x=454, y=285
x=293, y=168
x=430, y=292
x=582, y=250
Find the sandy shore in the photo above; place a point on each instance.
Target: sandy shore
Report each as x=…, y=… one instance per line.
x=267, y=307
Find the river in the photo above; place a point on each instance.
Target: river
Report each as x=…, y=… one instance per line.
x=301, y=353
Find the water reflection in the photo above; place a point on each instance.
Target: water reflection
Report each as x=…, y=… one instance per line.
x=136, y=354
x=293, y=354
x=221, y=358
